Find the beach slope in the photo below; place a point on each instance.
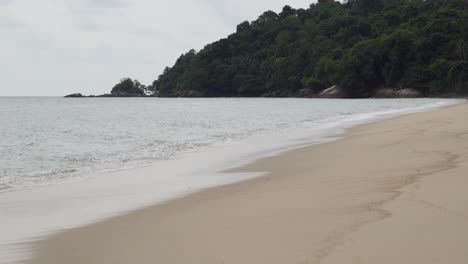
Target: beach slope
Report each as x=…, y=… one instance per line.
x=388, y=192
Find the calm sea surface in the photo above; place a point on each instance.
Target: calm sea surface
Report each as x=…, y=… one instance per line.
x=45, y=141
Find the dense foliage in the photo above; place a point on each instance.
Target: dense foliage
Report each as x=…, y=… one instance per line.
x=359, y=45
x=128, y=87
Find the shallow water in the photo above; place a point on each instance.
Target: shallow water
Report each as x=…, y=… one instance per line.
x=46, y=141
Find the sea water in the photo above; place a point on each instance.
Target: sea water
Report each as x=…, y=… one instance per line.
x=47, y=141
x=68, y=162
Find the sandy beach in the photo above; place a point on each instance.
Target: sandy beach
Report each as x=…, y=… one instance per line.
x=393, y=191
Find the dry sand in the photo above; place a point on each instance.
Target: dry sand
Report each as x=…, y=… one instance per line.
x=389, y=192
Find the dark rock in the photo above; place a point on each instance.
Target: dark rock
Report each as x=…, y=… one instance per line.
x=385, y=93
x=332, y=92
x=398, y=93
x=409, y=93
x=74, y=95
x=124, y=94
x=306, y=92
x=105, y=95
x=278, y=94
x=189, y=93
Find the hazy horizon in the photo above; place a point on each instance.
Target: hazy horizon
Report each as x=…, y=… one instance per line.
x=87, y=46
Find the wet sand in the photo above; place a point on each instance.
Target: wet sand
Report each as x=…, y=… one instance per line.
x=389, y=192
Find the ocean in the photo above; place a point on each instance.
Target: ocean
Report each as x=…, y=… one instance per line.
x=68, y=162
x=47, y=141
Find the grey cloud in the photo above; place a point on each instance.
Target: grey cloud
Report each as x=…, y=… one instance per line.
x=5, y=2
x=90, y=25
x=9, y=23
x=110, y=3
x=87, y=4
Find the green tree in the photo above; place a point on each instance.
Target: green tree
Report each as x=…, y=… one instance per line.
x=359, y=44
x=128, y=87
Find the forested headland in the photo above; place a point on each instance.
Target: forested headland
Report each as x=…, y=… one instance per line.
x=358, y=45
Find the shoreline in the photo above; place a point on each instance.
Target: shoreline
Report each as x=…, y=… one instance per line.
x=319, y=135
x=35, y=214
x=176, y=208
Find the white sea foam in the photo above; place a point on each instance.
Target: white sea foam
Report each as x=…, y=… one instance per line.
x=191, y=165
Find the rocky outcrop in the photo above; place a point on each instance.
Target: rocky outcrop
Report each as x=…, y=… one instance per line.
x=189, y=93
x=75, y=95
x=332, y=92
x=410, y=93
x=398, y=93
x=385, y=93
x=119, y=94
x=308, y=93
x=277, y=94
x=125, y=94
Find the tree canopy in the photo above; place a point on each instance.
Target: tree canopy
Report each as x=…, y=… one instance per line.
x=359, y=45
x=128, y=87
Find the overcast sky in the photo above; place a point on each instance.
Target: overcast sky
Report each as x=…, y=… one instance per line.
x=57, y=47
